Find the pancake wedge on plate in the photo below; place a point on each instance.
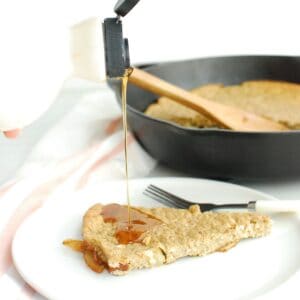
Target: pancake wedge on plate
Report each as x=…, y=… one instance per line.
x=157, y=236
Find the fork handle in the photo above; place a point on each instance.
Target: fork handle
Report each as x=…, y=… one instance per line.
x=276, y=206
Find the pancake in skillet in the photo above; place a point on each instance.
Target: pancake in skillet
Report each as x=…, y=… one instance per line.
x=275, y=100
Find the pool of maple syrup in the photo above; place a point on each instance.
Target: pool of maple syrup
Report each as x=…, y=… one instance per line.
x=128, y=231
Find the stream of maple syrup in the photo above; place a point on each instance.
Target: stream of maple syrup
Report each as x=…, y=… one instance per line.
x=125, y=131
x=130, y=222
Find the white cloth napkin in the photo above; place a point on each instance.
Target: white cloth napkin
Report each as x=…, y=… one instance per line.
x=84, y=148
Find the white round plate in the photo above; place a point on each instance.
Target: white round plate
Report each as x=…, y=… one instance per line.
x=250, y=269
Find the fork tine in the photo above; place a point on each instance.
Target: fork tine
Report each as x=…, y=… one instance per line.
x=176, y=199
x=161, y=191
x=159, y=199
x=168, y=198
x=163, y=199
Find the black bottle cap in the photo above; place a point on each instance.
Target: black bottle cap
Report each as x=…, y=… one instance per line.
x=123, y=7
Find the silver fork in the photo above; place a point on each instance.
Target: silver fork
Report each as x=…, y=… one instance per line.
x=270, y=206
x=169, y=199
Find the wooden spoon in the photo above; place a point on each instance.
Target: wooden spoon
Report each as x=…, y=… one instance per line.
x=227, y=116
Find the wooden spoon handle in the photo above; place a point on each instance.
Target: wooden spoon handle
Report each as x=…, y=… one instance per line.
x=227, y=116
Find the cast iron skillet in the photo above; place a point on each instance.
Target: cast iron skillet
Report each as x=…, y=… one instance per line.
x=216, y=153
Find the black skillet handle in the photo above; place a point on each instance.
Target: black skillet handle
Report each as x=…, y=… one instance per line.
x=123, y=7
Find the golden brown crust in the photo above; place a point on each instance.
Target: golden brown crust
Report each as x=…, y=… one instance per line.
x=275, y=100
x=228, y=246
x=181, y=233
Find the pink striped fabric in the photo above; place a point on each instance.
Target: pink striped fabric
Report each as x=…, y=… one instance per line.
x=6, y=187
x=120, y=147
x=113, y=125
x=66, y=169
x=30, y=204
x=84, y=146
x=26, y=293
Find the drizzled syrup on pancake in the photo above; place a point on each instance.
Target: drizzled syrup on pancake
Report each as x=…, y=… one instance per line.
x=128, y=232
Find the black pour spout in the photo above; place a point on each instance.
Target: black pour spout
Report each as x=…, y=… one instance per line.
x=116, y=48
